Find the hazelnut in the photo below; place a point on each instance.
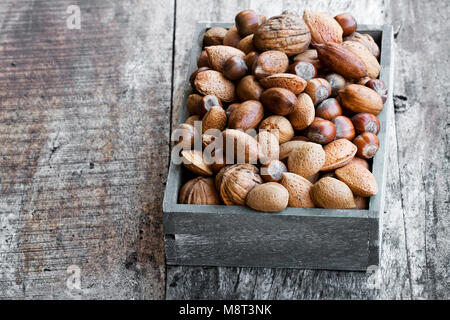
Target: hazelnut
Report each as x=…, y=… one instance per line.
x=366, y=122
x=214, y=36
x=347, y=23
x=279, y=101
x=249, y=89
x=235, y=68
x=329, y=109
x=344, y=128
x=272, y=171
x=203, y=60
x=304, y=70
x=250, y=59
x=270, y=62
x=246, y=115
x=207, y=102
x=337, y=82
x=200, y=191
x=193, y=103
x=318, y=89
x=247, y=22
x=321, y=131
x=303, y=114
x=280, y=124
x=232, y=37
x=379, y=86
x=368, y=145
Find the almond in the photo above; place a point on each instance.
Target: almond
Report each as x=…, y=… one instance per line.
x=373, y=67
x=218, y=55
x=270, y=62
x=246, y=44
x=240, y=146
x=358, y=98
x=330, y=193
x=278, y=124
x=361, y=203
x=299, y=190
x=360, y=180
x=215, y=118
x=287, y=147
x=269, y=147
x=338, y=154
x=288, y=81
x=307, y=159
x=246, y=116
x=268, y=197
x=361, y=162
x=341, y=60
x=213, y=82
x=323, y=27
x=303, y=114
x=193, y=160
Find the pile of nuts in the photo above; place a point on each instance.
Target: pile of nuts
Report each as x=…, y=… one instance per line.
x=308, y=89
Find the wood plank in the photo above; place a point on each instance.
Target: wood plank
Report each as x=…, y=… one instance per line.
x=84, y=132
x=422, y=121
x=248, y=283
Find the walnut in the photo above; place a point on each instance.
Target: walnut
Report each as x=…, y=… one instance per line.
x=200, y=190
x=237, y=181
x=287, y=33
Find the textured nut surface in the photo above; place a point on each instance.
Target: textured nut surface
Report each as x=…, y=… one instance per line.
x=280, y=124
x=361, y=162
x=373, y=67
x=246, y=116
x=236, y=182
x=286, y=33
x=341, y=60
x=214, y=36
x=303, y=114
x=299, y=190
x=268, y=197
x=287, y=147
x=213, y=82
x=272, y=171
x=269, y=147
x=215, y=118
x=270, y=62
x=193, y=161
x=338, y=153
x=358, y=98
x=360, y=180
x=240, y=146
x=218, y=55
x=323, y=27
x=367, y=41
x=330, y=193
x=306, y=160
x=200, y=191
x=288, y=81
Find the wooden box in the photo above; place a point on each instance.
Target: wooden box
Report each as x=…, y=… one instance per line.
x=295, y=238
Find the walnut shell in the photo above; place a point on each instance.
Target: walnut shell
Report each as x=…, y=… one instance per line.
x=201, y=191
x=287, y=33
x=237, y=181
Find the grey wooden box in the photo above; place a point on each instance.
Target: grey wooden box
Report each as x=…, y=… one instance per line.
x=295, y=238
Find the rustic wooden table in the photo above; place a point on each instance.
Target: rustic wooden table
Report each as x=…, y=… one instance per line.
x=85, y=118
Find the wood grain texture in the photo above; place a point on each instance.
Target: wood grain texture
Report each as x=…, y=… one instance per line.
x=84, y=132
